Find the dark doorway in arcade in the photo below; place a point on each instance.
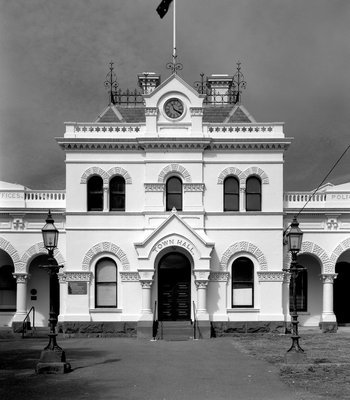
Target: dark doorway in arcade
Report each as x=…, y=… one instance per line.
x=38, y=290
x=174, y=288
x=342, y=293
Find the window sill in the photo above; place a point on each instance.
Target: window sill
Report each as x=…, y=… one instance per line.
x=243, y=310
x=105, y=310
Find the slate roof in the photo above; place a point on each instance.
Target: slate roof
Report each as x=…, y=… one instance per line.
x=211, y=114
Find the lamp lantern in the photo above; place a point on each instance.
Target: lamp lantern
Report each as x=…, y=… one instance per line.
x=295, y=236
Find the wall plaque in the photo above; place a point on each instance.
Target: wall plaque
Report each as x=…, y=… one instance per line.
x=77, y=287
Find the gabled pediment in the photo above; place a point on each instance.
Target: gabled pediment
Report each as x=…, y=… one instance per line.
x=174, y=85
x=239, y=114
x=109, y=115
x=176, y=234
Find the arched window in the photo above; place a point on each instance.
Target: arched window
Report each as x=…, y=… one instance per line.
x=106, y=283
x=7, y=289
x=242, y=283
x=231, y=194
x=253, y=194
x=95, y=194
x=174, y=194
x=117, y=194
x=301, y=291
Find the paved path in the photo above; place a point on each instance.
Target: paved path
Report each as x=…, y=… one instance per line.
x=129, y=369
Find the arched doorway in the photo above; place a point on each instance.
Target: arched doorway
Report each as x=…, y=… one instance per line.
x=38, y=291
x=174, y=288
x=309, y=291
x=341, y=292
x=7, y=283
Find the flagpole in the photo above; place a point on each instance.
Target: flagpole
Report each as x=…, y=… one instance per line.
x=174, y=33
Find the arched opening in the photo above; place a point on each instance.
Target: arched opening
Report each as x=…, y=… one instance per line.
x=7, y=283
x=106, y=283
x=174, y=288
x=95, y=194
x=341, y=289
x=242, y=283
x=174, y=193
x=253, y=194
x=117, y=194
x=309, y=290
x=231, y=194
x=38, y=290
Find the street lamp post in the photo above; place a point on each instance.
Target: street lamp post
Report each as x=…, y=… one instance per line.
x=52, y=358
x=294, y=237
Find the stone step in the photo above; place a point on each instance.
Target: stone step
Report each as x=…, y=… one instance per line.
x=175, y=330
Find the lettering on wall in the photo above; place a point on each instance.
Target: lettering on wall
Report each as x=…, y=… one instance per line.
x=340, y=196
x=11, y=196
x=174, y=242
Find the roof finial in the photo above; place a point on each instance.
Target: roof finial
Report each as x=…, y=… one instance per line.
x=111, y=83
x=201, y=85
x=238, y=84
x=174, y=65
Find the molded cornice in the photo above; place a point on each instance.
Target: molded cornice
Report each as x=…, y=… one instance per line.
x=171, y=143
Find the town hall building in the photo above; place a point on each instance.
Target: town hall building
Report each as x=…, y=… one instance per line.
x=174, y=211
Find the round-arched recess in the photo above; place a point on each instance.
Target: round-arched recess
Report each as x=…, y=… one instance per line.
x=38, y=290
x=341, y=289
x=309, y=290
x=7, y=283
x=174, y=287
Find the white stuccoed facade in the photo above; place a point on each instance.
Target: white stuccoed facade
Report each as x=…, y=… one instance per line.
x=201, y=147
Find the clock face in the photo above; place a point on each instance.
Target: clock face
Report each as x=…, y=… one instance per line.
x=174, y=108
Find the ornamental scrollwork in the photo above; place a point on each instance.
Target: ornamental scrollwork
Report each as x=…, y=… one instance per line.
x=328, y=278
x=146, y=284
x=193, y=187
x=219, y=276
x=20, y=278
x=151, y=111
x=271, y=276
x=154, y=187
x=105, y=247
x=78, y=276
x=196, y=111
x=129, y=276
x=243, y=247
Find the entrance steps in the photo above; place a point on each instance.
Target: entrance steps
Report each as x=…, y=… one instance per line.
x=175, y=330
x=37, y=332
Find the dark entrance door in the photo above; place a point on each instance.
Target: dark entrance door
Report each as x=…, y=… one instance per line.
x=341, y=293
x=174, y=288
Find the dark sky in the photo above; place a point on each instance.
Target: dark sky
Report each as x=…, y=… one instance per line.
x=54, y=56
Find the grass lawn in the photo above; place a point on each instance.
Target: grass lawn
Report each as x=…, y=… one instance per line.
x=326, y=373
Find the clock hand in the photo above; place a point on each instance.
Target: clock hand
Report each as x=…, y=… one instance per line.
x=176, y=109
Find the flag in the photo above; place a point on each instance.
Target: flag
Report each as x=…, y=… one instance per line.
x=163, y=7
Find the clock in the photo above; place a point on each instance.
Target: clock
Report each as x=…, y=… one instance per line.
x=174, y=108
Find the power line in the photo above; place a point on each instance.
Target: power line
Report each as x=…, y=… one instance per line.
x=315, y=191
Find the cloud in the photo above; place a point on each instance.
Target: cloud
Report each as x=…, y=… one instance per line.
x=55, y=54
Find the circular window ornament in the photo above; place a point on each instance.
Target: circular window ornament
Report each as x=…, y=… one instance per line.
x=174, y=108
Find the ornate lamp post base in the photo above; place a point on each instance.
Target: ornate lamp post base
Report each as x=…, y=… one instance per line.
x=294, y=356
x=52, y=359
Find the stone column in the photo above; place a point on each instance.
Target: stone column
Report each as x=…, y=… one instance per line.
x=242, y=198
x=145, y=323
x=105, y=197
x=201, y=281
x=62, y=279
x=21, y=297
x=201, y=298
x=202, y=316
x=146, y=280
x=328, y=319
x=146, y=297
x=285, y=297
